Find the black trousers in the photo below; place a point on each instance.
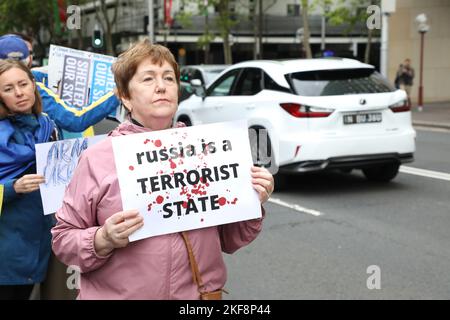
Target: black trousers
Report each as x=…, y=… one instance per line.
x=16, y=292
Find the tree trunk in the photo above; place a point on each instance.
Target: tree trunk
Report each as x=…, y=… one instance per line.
x=256, y=52
x=224, y=16
x=260, y=29
x=306, y=34
x=207, y=45
x=107, y=25
x=80, y=39
x=109, y=43
x=227, y=50
x=369, y=43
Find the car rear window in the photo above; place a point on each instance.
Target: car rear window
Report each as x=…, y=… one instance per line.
x=339, y=82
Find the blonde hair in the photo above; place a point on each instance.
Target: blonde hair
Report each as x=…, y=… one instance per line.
x=6, y=65
x=127, y=63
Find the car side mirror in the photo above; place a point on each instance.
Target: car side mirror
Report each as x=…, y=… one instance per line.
x=199, y=88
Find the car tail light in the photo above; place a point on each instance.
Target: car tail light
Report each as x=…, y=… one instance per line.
x=302, y=111
x=401, y=106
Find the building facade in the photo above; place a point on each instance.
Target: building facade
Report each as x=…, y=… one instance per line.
x=404, y=42
x=280, y=24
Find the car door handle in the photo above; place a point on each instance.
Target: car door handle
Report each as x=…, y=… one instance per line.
x=250, y=107
x=219, y=106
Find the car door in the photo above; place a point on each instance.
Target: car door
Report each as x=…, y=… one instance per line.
x=242, y=100
x=232, y=100
x=218, y=95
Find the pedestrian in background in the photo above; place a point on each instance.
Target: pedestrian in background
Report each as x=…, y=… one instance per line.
x=92, y=228
x=39, y=74
x=405, y=77
x=25, y=239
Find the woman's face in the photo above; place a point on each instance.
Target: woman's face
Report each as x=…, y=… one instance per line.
x=153, y=95
x=17, y=91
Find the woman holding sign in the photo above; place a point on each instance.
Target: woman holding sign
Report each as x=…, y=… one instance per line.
x=92, y=229
x=25, y=245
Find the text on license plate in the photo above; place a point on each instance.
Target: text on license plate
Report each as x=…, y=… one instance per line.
x=362, y=118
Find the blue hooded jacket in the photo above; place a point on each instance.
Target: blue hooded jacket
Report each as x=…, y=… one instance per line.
x=25, y=238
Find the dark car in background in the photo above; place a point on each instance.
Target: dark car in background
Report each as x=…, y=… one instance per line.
x=205, y=73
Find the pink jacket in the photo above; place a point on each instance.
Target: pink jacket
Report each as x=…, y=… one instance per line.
x=152, y=268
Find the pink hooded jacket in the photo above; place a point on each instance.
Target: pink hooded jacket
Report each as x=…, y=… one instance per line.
x=152, y=268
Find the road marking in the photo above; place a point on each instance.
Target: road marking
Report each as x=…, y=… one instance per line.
x=425, y=173
x=430, y=129
x=295, y=207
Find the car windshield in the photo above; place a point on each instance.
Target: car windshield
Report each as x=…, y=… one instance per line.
x=339, y=82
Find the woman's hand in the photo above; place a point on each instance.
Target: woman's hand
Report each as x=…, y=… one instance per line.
x=116, y=230
x=28, y=183
x=262, y=182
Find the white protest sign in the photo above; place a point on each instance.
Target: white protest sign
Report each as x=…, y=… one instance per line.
x=187, y=178
x=56, y=161
x=80, y=77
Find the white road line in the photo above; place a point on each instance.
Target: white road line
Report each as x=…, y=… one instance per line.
x=426, y=173
x=295, y=207
x=432, y=129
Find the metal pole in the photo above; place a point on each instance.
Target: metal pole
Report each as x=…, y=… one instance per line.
x=384, y=44
x=322, y=43
x=151, y=23
x=420, y=106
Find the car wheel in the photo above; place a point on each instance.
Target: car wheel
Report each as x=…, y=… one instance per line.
x=383, y=173
x=185, y=120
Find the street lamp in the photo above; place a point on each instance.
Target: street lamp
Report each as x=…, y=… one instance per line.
x=422, y=28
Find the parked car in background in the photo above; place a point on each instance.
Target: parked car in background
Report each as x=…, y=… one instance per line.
x=328, y=113
x=205, y=73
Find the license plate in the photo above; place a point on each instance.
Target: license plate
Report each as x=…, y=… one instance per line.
x=358, y=118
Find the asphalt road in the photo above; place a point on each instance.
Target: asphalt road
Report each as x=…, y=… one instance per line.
x=401, y=229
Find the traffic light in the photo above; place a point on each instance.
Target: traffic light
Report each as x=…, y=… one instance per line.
x=97, y=39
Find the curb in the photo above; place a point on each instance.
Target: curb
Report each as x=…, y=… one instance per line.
x=431, y=124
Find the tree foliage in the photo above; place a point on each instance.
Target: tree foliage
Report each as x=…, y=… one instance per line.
x=353, y=13
x=349, y=12
x=223, y=22
x=26, y=16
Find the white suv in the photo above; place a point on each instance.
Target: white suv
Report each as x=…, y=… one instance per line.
x=329, y=113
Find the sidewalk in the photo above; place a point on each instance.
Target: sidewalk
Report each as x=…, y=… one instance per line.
x=436, y=115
